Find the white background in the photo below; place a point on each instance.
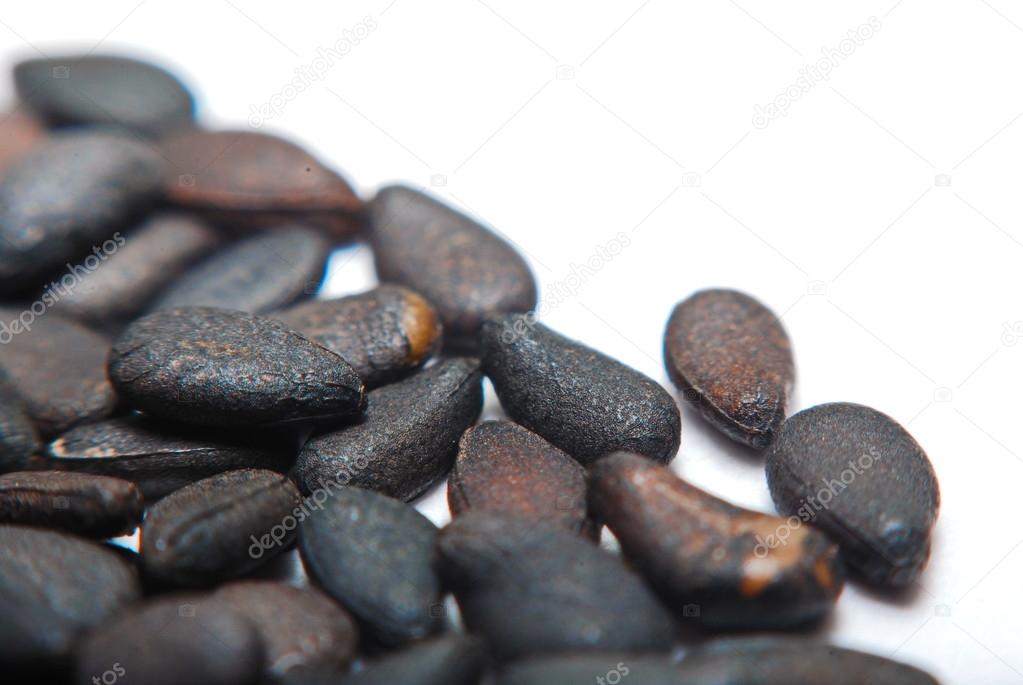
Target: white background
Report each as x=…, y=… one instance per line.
x=880, y=217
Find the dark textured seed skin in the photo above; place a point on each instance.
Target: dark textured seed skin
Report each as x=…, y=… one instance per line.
x=161, y=458
x=882, y=517
x=173, y=640
x=385, y=333
x=67, y=194
x=448, y=660
x=203, y=533
x=374, y=555
x=580, y=400
x=146, y=259
x=791, y=661
x=731, y=358
x=300, y=628
x=261, y=273
x=18, y=437
x=91, y=506
x=694, y=548
x=53, y=587
x=107, y=90
x=19, y=133
x=503, y=468
x=59, y=370
x=216, y=367
x=408, y=438
x=589, y=669
x=245, y=179
x=530, y=588
x=462, y=268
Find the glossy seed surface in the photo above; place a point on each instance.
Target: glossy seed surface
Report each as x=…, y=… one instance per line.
x=531, y=588
x=375, y=556
x=731, y=358
x=173, y=640
x=218, y=528
x=581, y=400
x=300, y=628
x=224, y=368
x=147, y=259
x=65, y=197
x=738, y=568
x=263, y=272
x=53, y=587
x=408, y=439
x=247, y=179
x=865, y=481
x=504, y=468
x=465, y=270
x=791, y=661
x=385, y=333
x=72, y=90
x=159, y=457
x=19, y=133
x=19, y=439
x=91, y=506
x=58, y=368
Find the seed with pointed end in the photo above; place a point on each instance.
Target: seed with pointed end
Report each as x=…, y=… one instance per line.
x=19, y=440
x=66, y=195
x=731, y=358
x=868, y=482
x=263, y=272
x=504, y=468
x=375, y=555
x=145, y=261
x=54, y=587
x=205, y=532
x=74, y=90
x=171, y=640
x=245, y=179
x=408, y=438
x=577, y=398
x=460, y=267
x=743, y=569
x=224, y=368
x=19, y=133
x=58, y=368
x=385, y=333
x=791, y=661
x=532, y=588
x=159, y=457
x=91, y=506
x=301, y=628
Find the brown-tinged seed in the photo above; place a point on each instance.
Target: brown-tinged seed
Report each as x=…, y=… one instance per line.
x=731, y=358
x=19, y=133
x=504, y=468
x=248, y=179
x=19, y=440
x=463, y=269
x=385, y=333
x=92, y=506
x=715, y=563
x=58, y=368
